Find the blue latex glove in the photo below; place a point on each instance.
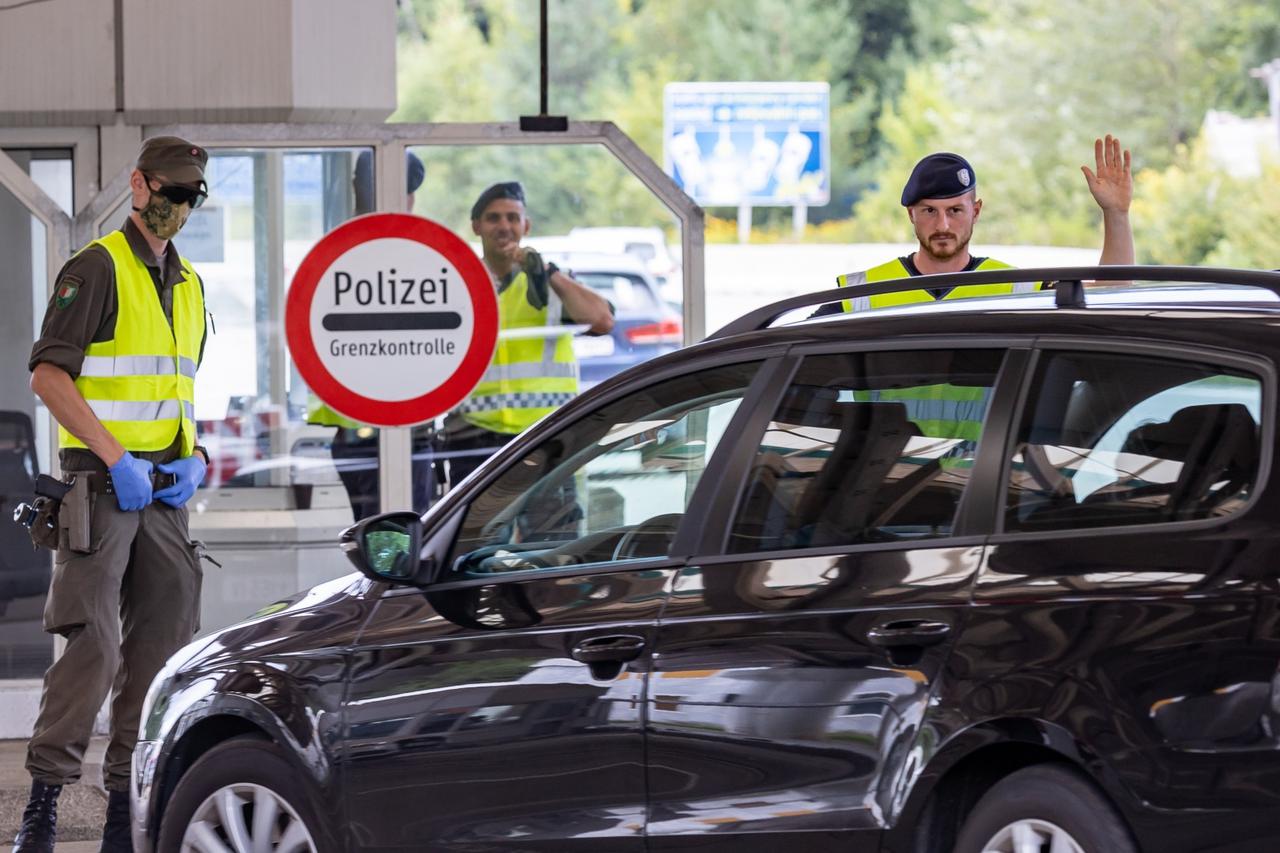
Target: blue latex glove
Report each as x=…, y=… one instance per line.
x=131, y=479
x=190, y=472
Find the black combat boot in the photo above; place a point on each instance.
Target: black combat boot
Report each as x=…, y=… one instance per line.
x=116, y=837
x=39, y=821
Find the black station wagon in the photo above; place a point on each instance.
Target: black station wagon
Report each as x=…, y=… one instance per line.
x=994, y=575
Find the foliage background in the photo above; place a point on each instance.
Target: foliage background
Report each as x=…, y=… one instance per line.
x=1021, y=87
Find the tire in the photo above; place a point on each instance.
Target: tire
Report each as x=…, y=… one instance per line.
x=219, y=795
x=1049, y=804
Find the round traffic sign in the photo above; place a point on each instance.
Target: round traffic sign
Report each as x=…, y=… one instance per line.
x=391, y=319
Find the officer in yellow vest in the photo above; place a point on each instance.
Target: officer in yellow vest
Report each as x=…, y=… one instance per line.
x=942, y=204
x=116, y=364
x=534, y=374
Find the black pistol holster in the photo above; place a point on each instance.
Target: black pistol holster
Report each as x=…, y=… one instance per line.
x=40, y=517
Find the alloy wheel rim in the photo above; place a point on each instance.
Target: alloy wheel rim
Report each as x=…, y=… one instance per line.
x=246, y=818
x=1032, y=836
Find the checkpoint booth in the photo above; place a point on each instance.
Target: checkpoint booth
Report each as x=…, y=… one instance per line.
x=273, y=505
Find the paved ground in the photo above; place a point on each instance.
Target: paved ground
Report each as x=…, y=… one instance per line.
x=81, y=808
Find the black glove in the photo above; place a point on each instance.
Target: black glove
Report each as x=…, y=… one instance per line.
x=539, y=278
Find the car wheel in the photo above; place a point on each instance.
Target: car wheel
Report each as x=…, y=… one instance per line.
x=241, y=795
x=1044, y=809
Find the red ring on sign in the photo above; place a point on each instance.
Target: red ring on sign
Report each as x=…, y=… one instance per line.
x=348, y=402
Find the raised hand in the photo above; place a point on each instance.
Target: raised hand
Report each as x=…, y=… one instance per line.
x=1112, y=184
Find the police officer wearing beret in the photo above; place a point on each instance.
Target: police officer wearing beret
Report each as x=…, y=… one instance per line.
x=529, y=376
x=943, y=205
x=115, y=364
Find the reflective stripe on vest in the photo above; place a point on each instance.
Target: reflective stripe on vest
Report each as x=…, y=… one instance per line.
x=939, y=411
x=141, y=383
x=528, y=377
x=895, y=269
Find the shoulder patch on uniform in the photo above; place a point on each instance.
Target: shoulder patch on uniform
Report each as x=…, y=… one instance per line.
x=68, y=290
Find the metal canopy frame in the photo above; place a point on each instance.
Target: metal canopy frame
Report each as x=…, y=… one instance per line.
x=389, y=142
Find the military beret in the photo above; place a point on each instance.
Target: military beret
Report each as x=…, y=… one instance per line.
x=179, y=161
x=508, y=189
x=941, y=175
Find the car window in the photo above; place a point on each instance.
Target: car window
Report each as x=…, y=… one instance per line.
x=867, y=447
x=627, y=293
x=1113, y=440
x=643, y=251
x=610, y=486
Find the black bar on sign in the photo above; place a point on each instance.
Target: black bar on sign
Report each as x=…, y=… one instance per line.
x=392, y=321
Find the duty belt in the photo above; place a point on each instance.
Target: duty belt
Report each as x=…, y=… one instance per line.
x=100, y=481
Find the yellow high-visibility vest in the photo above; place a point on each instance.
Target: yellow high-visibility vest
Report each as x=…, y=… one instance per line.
x=895, y=269
x=319, y=414
x=141, y=384
x=528, y=377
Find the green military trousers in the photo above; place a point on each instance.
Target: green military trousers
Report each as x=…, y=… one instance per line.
x=123, y=608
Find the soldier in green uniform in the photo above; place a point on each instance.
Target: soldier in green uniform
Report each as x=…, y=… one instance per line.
x=115, y=364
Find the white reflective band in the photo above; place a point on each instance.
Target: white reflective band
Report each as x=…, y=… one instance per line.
x=131, y=365
x=530, y=370
x=1025, y=286
x=860, y=303
x=133, y=410
x=523, y=333
x=187, y=367
x=497, y=402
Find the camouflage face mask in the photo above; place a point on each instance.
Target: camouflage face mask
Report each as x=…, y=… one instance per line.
x=162, y=217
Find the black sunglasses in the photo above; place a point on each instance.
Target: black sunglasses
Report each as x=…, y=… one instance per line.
x=177, y=194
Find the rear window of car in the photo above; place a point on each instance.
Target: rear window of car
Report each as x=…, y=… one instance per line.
x=867, y=447
x=1108, y=439
x=627, y=293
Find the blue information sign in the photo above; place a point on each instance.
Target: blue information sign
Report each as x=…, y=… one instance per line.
x=757, y=144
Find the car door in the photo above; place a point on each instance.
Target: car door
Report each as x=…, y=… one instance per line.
x=801, y=644
x=502, y=706
x=1130, y=596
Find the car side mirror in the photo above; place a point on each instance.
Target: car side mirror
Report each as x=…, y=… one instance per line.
x=386, y=547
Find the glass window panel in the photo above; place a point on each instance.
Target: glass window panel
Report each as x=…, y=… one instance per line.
x=867, y=447
x=1112, y=440
x=25, y=649
x=611, y=486
x=276, y=495
x=618, y=240
x=266, y=210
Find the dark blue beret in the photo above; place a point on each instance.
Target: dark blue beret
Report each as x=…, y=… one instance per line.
x=507, y=189
x=941, y=175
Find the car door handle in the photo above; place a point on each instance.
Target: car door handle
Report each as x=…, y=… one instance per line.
x=908, y=632
x=622, y=648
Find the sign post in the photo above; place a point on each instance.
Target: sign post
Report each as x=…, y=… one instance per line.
x=391, y=319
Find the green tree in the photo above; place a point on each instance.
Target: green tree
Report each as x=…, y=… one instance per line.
x=1180, y=211
x=1030, y=83
x=1250, y=222
x=477, y=60
x=920, y=123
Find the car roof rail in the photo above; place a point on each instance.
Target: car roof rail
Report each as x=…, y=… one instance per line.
x=1067, y=283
